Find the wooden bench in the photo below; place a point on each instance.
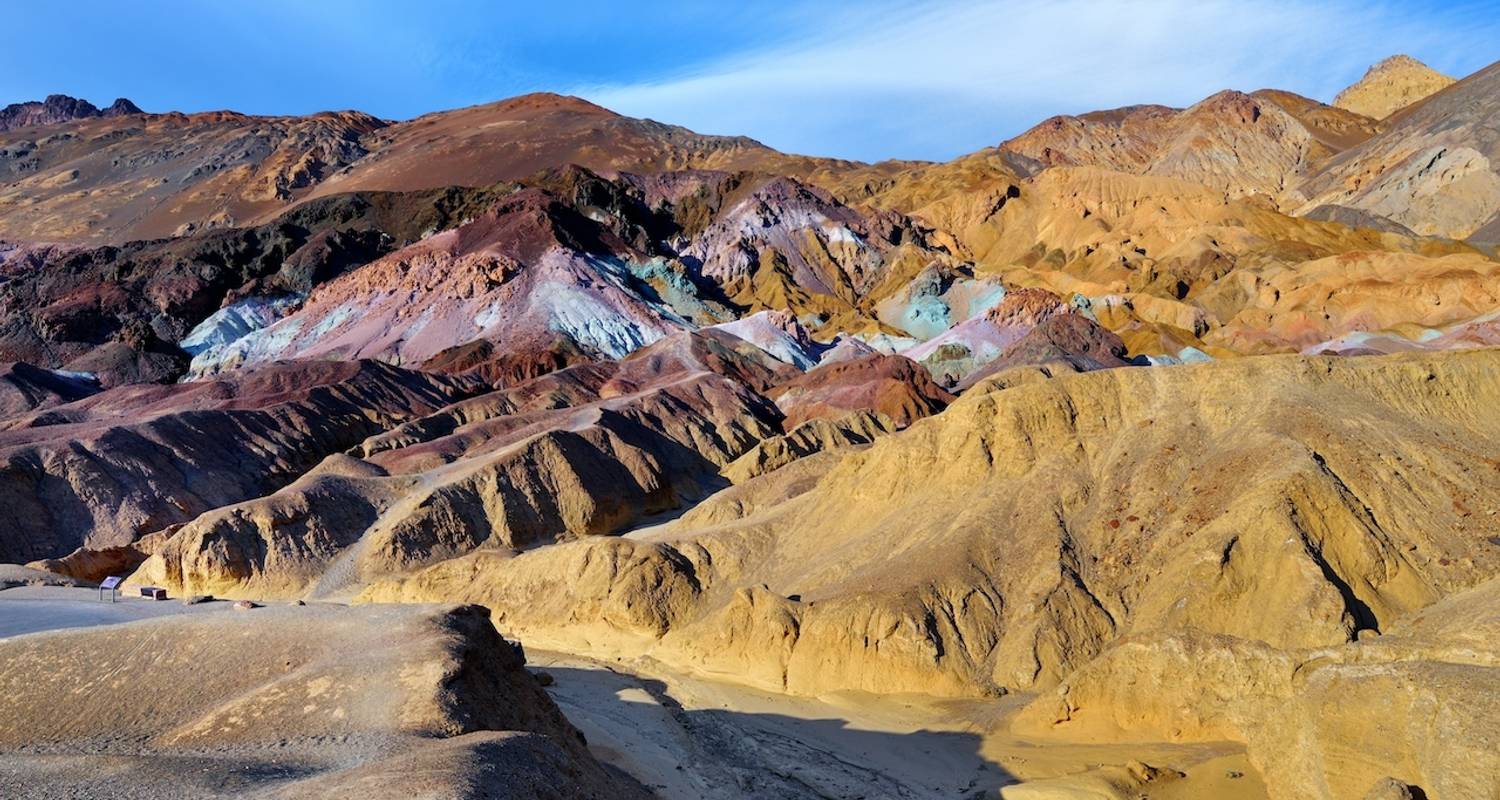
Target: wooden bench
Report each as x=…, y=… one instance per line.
x=153, y=592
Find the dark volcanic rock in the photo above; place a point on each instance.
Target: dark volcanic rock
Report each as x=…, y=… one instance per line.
x=118, y=312
x=59, y=108
x=24, y=388
x=120, y=107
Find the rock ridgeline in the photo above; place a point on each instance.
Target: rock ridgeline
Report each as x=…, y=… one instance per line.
x=59, y=108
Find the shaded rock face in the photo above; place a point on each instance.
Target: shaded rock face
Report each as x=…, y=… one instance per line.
x=106, y=469
x=517, y=362
x=59, y=108
x=421, y=701
x=24, y=388
x=1352, y=722
x=1356, y=218
x=583, y=451
x=806, y=439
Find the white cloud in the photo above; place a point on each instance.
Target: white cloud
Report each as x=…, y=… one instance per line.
x=945, y=78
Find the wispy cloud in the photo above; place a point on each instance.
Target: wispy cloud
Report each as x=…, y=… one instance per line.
x=938, y=79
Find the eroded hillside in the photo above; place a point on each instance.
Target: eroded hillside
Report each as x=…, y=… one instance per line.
x=1146, y=425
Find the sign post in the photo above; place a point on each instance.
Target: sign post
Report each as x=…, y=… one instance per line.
x=112, y=583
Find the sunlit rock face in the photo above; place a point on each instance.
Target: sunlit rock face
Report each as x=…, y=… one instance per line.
x=1177, y=420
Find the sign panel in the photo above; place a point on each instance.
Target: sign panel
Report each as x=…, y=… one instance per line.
x=112, y=582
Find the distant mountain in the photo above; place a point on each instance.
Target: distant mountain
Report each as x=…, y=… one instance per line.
x=1432, y=169
x=1391, y=85
x=93, y=180
x=1243, y=144
x=59, y=108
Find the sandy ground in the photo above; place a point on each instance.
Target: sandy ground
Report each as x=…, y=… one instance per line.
x=30, y=609
x=688, y=738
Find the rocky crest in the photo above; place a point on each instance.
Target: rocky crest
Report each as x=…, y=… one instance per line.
x=59, y=108
x=1391, y=85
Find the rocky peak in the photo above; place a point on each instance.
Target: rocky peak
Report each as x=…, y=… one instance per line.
x=59, y=108
x=120, y=107
x=1391, y=85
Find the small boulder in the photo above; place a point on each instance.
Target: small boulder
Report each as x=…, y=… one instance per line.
x=1142, y=772
x=1392, y=789
x=245, y=605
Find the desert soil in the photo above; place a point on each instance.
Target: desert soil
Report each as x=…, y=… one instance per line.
x=32, y=609
x=689, y=737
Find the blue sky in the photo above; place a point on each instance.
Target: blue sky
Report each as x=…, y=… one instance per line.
x=868, y=80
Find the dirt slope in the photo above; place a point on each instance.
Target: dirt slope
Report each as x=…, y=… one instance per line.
x=288, y=703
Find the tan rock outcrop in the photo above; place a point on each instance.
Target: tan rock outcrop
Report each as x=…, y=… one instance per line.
x=1240, y=144
x=1416, y=703
x=1010, y=539
x=813, y=436
x=393, y=689
x=1435, y=168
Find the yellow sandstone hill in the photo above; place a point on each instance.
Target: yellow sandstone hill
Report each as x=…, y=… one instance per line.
x=1415, y=706
x=1010, y=539
x=1391, y=85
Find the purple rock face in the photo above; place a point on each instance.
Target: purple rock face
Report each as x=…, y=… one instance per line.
x=59, y=108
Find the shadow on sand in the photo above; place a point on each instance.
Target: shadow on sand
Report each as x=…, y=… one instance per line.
x=634, y=723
